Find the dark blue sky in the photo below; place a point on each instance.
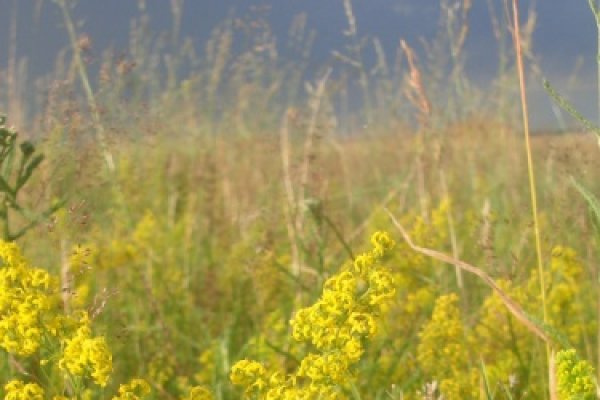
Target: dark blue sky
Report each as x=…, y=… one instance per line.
x=565, y=28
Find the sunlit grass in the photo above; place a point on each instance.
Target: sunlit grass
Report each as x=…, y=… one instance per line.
x=205, y=234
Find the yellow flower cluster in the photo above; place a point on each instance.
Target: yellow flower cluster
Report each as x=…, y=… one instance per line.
x=18, y=390
x=30, y=315
x=575, y=377
x=32, y=322
x=502, y=342
x=207, y=364
x=58, y=346
x=161, y=369
x=84, y=354
x=28, y=297
x=198, y=393
x=136, y=389
x=415, y=277
x=567, y=294
x=336, y=326
x=124, y=247
x=442, y=353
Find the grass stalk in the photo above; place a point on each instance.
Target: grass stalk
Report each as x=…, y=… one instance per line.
x=290, y=209
x=85, y=82
x=453, y=240
x=415, y=92
x=532, y=189
x=515, y=308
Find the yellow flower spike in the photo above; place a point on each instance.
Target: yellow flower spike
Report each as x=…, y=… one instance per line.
x=442, y=351
x=145, y=229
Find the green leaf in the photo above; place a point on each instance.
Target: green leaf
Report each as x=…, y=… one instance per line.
x=35, y=162
x=591, y=200
x=486, y=382
x=568, y=107
x=5, y=187
x=35, y=221
x=27, y=148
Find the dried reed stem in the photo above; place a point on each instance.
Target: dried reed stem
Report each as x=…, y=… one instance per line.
x=65, y=275
x=530, y=169
x=512, y=306
x=415, y=92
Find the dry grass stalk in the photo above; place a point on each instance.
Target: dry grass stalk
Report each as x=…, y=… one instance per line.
x=530, y=169
x=464, y=29
x=515, y=309
x=416, y=91
x=290, y=204
x=296, y=201
x=85, y=82
x=417, y=96
x=65, y=275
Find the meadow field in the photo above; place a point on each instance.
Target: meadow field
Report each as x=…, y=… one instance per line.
x=227, y=225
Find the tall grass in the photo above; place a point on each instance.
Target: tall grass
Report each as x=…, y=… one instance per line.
x=209, y=197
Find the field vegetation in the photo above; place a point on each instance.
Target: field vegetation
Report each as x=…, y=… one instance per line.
x=230, y=225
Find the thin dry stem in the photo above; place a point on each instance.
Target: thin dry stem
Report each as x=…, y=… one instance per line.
x=14, y=105
x=416, y=92
x=290, y=195
x=65, y=275
x=530, y=169
x=81, y=69
x=515, y=309
x=417, y=96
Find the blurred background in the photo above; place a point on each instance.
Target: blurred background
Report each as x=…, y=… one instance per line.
x=562, y=43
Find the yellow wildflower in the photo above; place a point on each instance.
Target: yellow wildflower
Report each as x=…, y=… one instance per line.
x=84, y=354
x=198, y=393
x=27, y=298
x=336, y=326
x=575, y=377
x=18, y=390
x=442, y=352
x=136, y=389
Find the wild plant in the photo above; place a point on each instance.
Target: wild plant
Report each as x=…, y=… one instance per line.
x=19, y=160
